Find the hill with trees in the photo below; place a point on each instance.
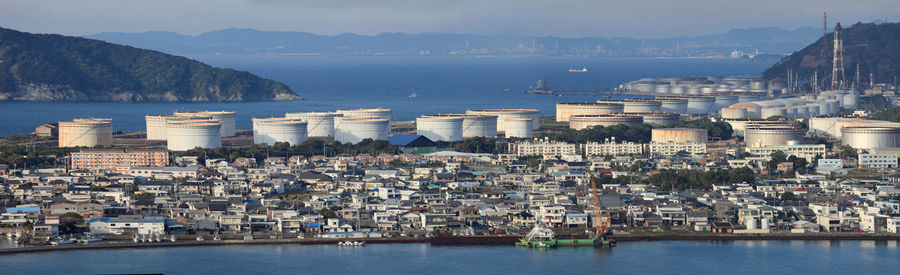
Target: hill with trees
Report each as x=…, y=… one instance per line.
x=50, y=67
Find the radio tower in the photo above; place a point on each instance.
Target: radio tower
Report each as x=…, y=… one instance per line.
x=837, y=70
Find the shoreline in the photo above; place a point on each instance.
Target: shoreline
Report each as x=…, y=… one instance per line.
x=467, y=240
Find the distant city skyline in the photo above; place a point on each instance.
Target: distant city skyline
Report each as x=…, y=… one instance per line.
x=565, y=18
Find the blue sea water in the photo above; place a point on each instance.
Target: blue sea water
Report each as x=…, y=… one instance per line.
x=442, y=85
x=662, y=257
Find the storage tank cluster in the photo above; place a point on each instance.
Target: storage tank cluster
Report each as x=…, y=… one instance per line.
x=700, y=85
x=87, y=132
x=565, y=110
x=380, y=113
x=832, y=126
x=455, y=127
x=156, y=124
x=279, y=129
x=511, y=120
x=739, y=125
x=679, y=135
x=183, y=135
x=226, y=118
x=765, y=135
x=794, y=107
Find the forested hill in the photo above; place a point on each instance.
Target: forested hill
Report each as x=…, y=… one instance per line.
x=49, y=67
x=875, y=47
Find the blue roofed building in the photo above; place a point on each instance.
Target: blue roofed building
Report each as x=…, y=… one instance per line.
x=413, y=144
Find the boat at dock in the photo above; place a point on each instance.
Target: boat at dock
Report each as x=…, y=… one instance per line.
x=582, y=70
x=543, y=237
x=352, y=243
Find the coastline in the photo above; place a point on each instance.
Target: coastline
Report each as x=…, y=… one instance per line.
x=470, y=240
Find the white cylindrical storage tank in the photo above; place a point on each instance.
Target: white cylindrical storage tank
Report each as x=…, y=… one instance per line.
x=802, y=111
x=503, y=114
x=582, y=122
x=318, y=124
x=641, y=106
x=851, y=100
x=381, y=113
x=707, y=90
x=663, y=89
x=813, y=109
x=679, y=135
x=479, y=126
x=758, y=84
x=700, y=105
x=723, y=101
x=693, y=90
x=225, y=118
x=440, y=127
x=355, y=129
x=731, y=112
x=156, y=126
x=272, y=130
x=677, y=90
x=868, y=137
x=519, y=127
x=660, y=119
x=763, y=136
x=183, y=135
x=565, y=110
x=770, y=112
x=88, y=132
x=764, y=224
x=673, y=105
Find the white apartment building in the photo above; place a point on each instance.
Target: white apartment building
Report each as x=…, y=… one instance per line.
x=610, y=148
x=541, y=148
x=122, y=225
x=672, y=148
x=807, y=151
x=878, y=161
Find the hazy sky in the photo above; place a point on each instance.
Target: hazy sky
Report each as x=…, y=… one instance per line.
x=567, y=18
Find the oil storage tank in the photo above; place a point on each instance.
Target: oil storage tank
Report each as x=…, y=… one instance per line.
x=279, y=129
x=380, y=113
x=673, y=105
x=582, y=122
x=735, y=113
x=768, y=135
x=660, y=119
x=88, y=132
x=354, y=129
x=183, y=135
x=479, y=126
x=318, y=124
x=519, y=127
x=700, y=105
x=637, y=105
x=565, y=110
x=225, y=118
x=503, y=114
x=868, y=137
x=723, y=101
x=440, y=127
x=679, y=135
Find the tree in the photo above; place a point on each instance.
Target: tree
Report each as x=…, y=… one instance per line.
x=143, y=196
x=788, y=196
x=777, y=157
x=327, y=213
x=848, y=152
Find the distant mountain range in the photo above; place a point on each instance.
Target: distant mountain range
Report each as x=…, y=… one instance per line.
x=875, y=47
x=769, y=40
x=50, y=67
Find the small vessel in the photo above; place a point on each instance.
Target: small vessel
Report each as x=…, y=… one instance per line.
x=91, y=239
x=136, y=239
x=540, y=88
x=582, y=70
x=172, y=238
x=199, y=238
x=413, y=95
x=538, y=237
x=541, y=237
x=61, y=241
x=507, y=90
x=352, y=243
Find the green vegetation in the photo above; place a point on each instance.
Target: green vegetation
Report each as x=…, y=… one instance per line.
x=639, y=134
x=779, y=157
x=889, y=114
x=281, y=149
x=876, y=48
x=715, y=130
x=143, y=196
x=47, y=67
x=33, y=156
x=670, y=179
x=474, y=145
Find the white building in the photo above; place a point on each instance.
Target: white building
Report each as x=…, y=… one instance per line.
x=878, y=161
x=126, y=224
x=807, y=151
x=611, y=148
x=672, y=148
x=542, y=147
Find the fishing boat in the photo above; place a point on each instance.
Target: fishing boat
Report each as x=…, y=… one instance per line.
x=61, y=241
x=91, y=239
x=352, y=243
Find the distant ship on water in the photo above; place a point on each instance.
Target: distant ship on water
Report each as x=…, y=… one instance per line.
x=582, y=70
x=413, y=95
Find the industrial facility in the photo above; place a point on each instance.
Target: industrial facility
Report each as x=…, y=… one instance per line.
x=504, y=114
x=566, y=110
x=772, y=135
x=440, y=127
x=279, y=129
x=636, y=105
x=584, y=121
x=519, y=127
x=679, y=135
x=354, y=129
x=380, y=113
x=183, y=135
x=88, y=132
x=225, y=118
x=870, y=137
x=318, y=124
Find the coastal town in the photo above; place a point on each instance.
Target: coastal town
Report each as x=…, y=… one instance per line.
x=705, y=174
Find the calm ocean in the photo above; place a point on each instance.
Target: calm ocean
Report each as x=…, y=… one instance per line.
x=655, y=257
x=441, y=84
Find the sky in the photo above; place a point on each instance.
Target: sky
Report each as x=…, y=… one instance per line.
x=562, y=18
